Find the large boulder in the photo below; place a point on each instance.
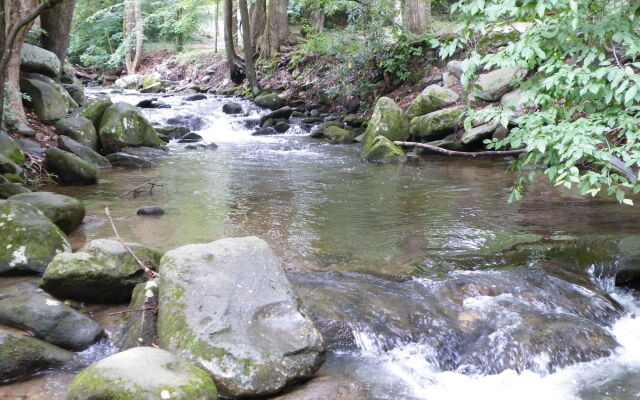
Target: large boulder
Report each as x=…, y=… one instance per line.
x=64, y=211
x=131, y=161
x=495, y=84
x=139, y=325
x=339, y=135
x=39, y=60
x=67, y=144
x=103, y=271
x=129, y=82
x=437, y=124
x=71, y=103
x=387, y=121
x=47, y=102
x=142, y=373
x=94, y=110
x=382, y=149
x=22, y=356
x=25, y=306
x=79, y=129
x=10, y=149
x=70, y=168
x=229, y=306
x=431, y=99
x=11, y=189
x=269, y=100
x=29, y=239
x=122, y=126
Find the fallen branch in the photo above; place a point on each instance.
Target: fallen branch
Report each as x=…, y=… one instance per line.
x=459, y=153
x=136, y=191
x=137, y=310
x=81, y=74
x=151, y=274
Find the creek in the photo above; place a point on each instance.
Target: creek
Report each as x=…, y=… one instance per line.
x=431, y=284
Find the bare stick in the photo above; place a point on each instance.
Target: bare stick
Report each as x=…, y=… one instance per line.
x=459, y=153
x=151, y=274
x=136, y=190
x=137, y=310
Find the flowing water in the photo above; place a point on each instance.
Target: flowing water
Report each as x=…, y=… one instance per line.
x=432, y=286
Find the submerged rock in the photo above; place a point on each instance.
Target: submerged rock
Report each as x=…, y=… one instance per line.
x=29, y=239
x=122, y=125
x=125, y=160
x=70, y=168
x=328, y=387
x=103, y=271
x=382, y=149
x=25, y=306
x=142, y=373
x=150, y=210
x=195, y=97
x=189, y=121
x=22, y=356
x=64, y=211
x=173, y=132
x=229, y=306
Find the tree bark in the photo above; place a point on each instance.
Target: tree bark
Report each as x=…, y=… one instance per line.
x=248, y=48
x=317, y=19
x=133, y=26
x=258, y=18
x=416, y=15
x=217, y=27
x=56, y=22
x=236, y=71
x=276, y=31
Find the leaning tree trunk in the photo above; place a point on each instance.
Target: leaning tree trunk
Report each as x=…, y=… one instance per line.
x=234, y=63
x=258, y=13
x=248, y=49
x=276, y=31
x=416, y=15
x=56, y=22
x=133, y=35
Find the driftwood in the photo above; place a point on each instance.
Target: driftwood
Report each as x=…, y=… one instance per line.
x=459, y=153
x=151, y=274
x=137, y=191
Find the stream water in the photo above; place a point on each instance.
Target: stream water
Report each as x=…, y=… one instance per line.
x=436, y=287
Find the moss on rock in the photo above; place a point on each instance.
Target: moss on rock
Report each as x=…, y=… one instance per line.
x=122, y=125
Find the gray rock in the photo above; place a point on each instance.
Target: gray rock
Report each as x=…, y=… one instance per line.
x=64, y=211
x=70, y=168
x=79, y=129
x=22, y=356
x=455, y=67
x=478, y=133
x=125, y=160
x=284, y=113
x=139, y=327
x=30, y=147
x=495, y=84
x=173, y=132
x=26, y=307
x=150, y=210
x=269, y=100
x=431, y=99
x=195, y=97
x=199, y=146
x=123, y=125
x=29, y=239
x=47, y=102
x=103, y=271
x=191, y=137
x=142, y=373
x=147, y=153
x=68, y=144
x=328, y=387
x=39, y=60
x=264, y=132
x=229, y=306
x=189, y=121
x=10, y=189
x=389, y=122
x=94, y=110
x=281, y=127
x=232, y=108
x=10, y=149
x=70, y=102
x=437, y=124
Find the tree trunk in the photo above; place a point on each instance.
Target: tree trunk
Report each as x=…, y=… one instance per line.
x=133, y=34
x=258, y=14
x=317, y=19
x=217, y=26
x=276, y=31
x=416, y=15
x=248, y=49
x=56, y=22
x=180, y=35
x=236, y=72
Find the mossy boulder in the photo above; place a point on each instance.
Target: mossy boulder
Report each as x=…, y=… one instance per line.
x=122, y=126
x=79, y=129
x=64, y=211
x=70, y=102
x=388, y=121
x=47, y=102
x=142, y=373
x=10, y=149
x=478, y=133
x=173, y=132
x=381, y=149
x=431, y=99
x=29, y=239
x=338, y=135
x=25, y=306
x=70, y=168
x=8, y=167
x=437, y=124
x=495, y=84
x=103, y=271
x=39, y=60
x=229, y=306
x=22, y=356
x=139, y=327
x=67, y=144
x=269, y=100
x=94, y=110
x=124, y=160
x=10, y=189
